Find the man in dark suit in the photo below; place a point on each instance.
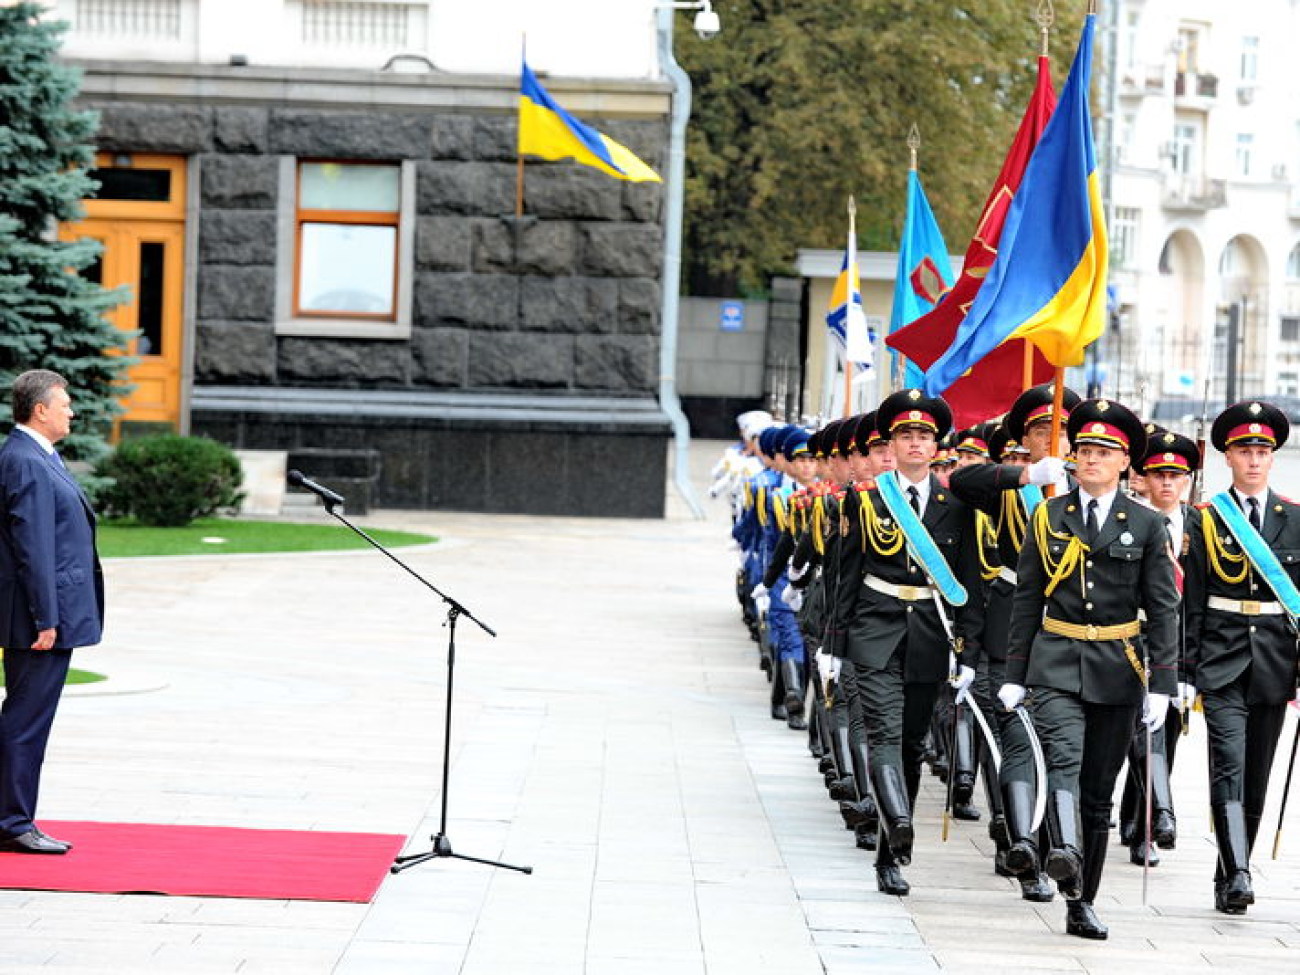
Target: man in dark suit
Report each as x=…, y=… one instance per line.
x=51, y=595
x=1091, y=560
x=1241, y=645
x=887, y=624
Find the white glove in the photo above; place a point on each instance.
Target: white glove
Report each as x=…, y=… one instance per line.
x=1155, y=711
x=1186, y=695
x=828, y=669
x=963, y=679
x=1046, y=471
x=1011, y=696
x=761, y=599
x=793, y=597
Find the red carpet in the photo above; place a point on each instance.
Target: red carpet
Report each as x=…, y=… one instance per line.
x=206, y=861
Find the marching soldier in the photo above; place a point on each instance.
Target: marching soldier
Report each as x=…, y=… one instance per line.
x=1165, y=469
x=1008, y=491
x=1091, y=560
x=1242, y=567
x=909, y=556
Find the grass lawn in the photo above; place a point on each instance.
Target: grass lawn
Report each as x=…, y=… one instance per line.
x=207, y=536
x=75, y=676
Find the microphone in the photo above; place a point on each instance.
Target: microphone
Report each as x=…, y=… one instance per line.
x=298, y=479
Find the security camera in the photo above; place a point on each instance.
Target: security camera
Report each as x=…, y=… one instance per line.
x=707, y=24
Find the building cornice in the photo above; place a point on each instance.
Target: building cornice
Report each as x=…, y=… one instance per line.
x=337, y=87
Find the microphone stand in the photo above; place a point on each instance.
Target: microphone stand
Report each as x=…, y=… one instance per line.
x=441, y=848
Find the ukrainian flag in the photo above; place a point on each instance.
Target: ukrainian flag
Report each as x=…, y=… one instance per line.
x=1048, y=283
x=845, y=317
x=547, y=130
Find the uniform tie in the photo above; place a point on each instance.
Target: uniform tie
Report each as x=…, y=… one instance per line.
x=1254, y=513
x=1090, y=523
x=914, y=499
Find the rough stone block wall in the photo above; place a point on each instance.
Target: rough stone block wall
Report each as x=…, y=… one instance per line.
x=564, y=299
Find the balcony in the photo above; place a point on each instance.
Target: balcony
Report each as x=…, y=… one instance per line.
x=1144, y=80
x=1193, y=194
x=1195, y=90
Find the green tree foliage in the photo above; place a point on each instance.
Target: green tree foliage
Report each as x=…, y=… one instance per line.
x=800, y=103
x=51, y=317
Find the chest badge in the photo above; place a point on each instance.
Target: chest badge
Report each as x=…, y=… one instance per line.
x=1126, y=538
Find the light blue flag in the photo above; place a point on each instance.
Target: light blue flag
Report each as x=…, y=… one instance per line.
x=924, y=270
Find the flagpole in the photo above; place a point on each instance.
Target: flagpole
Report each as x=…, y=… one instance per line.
x=1045, y=16
x=900, y=361
x=848, y=363
x=519, y=163
x=1058, y=407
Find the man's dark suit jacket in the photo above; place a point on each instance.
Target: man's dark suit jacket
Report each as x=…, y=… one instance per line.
x=50, y=575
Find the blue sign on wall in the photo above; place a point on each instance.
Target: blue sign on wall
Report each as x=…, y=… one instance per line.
x=732, y=318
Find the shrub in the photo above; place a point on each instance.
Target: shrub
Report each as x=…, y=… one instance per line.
x=168, y=480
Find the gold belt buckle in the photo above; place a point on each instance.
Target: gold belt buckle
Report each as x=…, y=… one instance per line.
x=908, y=593
x=1090, y=632
x=1250, y=607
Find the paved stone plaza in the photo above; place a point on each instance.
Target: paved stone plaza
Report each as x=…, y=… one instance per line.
x=614, y=736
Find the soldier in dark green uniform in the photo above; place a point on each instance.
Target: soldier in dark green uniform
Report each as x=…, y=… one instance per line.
x=1165, y=469
x=1007, y=493
x=1242, y=567
x=887, y=623
x=1092, y=559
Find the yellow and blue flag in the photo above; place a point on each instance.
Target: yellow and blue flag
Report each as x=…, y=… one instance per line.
x=924, y=269
x=547, y=130
x=846, y=318
x=1048, y=283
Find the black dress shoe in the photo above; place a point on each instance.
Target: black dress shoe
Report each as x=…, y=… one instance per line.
x=1237, y=892
x=1140, y=855
x=889, y=880
x=1036, y=888
x=33, y=841
x=1000, y=864
x=44, y=835
x=1221, y=901
x=964, y=810
x=864, y=837
x=1081, y=921
x=1164, y=829
x=1064, y=865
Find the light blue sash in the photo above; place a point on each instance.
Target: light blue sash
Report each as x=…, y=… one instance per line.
x=919, y=542
x=1032, y=496
x=1257, y=550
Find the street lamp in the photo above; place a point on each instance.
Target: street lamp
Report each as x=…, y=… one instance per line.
x=706, y=25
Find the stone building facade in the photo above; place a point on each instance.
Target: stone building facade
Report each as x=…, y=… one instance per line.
x=519, y=369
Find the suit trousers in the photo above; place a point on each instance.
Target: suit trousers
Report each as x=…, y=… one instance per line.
x=1084, y=746
x=1243, y=738
x=897, y=717
x=33, y=684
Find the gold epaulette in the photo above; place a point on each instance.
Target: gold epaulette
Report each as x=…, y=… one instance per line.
x=1219, y=557
x=778, y=511
x=1071, y=558
x=885, y=539
x=760, y=505
x=985, y=534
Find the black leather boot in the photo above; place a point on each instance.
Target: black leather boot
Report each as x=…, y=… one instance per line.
x=1065, y=858
x=1232, y=888
x=1080, y=918
x=777, y=697
x=1018, y=805
x=1140, y=855
x=963, y=760
x=765, y=650
x=895, y=811
x=889, y=879
x=1164, y=828
x=792, y=683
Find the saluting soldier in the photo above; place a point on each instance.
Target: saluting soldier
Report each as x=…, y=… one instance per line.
x=1091, y=560
x=911, y=544
x=1166, y=471
x=1008, y=491
x=1242, y=568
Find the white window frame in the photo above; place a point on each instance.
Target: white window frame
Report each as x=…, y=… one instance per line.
x=1249, y=64
x=1124, y=240
x=286, y=258
x=1245, y=148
